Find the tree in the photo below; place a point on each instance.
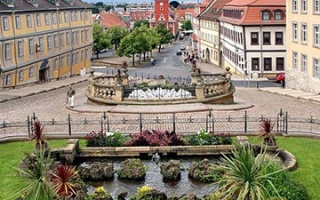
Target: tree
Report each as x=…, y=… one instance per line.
x=140, y=22
x=245, y=176
x=164, y=33
x=187, y=25
x=116, y=33
x=101, y=40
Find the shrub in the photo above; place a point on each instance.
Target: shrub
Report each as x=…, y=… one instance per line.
x=225, y=138
x=204, y=138
x=155, y=138
x=115, y=139
x=95, y=139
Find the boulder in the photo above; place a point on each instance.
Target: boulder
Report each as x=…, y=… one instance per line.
x=132, y=169
x=203, y=171
x=153, y=194
x=96, y=171
x=171, y=170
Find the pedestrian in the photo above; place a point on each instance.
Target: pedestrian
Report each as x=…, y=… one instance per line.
x=70, y=96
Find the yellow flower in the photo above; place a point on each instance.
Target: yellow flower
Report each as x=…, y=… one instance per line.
x=100, y=190
x=144, y=189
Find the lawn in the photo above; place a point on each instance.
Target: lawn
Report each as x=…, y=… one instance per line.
x=306, y=151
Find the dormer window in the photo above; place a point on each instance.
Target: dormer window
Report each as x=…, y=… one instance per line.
x=266, y=15
x=278, y=15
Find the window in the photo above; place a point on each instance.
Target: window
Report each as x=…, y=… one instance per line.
x=54, y=19
x=31, y=46
x=304, y=62
x=68, y=37
x=56, y=63
x=279, y=38
x=304, y=6
x=267, y=64
x=41, y=43
x=20, y=48
x=316, y=35
x=8, y=79
x=280, y=64
x=55, y=41
x=82, y=36
x=7, y=51
x=60, y=17
x=81, y=16
x=29, y=23
x=304, y=33
x=294, y=60
x=66, y=17
x=315, y=68
x=278, y=15
x=46, y=19
x=266, y=38
x=76, y=15
x=31, y=69
x=62, y=61
x=255, y=64
x=38, y=20
x=254, y=38
x=49, y=42
x=316, y=6
x=62, y=39
x=18, y=22
x=5, y=23
x=294, y=5
x=294, y=31
x=21, y=75
x=265, y=15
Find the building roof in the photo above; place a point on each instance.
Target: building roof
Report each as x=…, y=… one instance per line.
x=250, y=12
x=140, y=15
x=109, y=19
x=43, y=5
x=213, y=10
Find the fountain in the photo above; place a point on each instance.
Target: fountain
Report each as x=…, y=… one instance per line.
x=123, y=89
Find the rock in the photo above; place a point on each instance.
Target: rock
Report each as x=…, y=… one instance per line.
x=153, y=194
x=122, y=195
x=96, y=171
x=171, y=170
x=189, y=196
x=202, y=170
x=132, y=169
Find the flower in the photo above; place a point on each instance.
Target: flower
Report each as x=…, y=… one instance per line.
x=161, y=76
x=109, y=134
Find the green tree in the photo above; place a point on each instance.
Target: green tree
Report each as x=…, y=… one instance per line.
x=101, y=40
x=116, y=33
x=247, y=176
x=187, y=25
x=165, y=35
x=140, y=22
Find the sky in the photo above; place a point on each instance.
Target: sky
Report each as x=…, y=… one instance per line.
x=133, y=1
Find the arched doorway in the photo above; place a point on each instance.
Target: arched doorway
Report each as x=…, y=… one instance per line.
x=44, y=71
x=207, y=56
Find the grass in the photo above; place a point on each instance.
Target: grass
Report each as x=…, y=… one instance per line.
x=306, y=151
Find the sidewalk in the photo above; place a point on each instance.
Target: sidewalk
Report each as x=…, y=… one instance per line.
x=11, y=94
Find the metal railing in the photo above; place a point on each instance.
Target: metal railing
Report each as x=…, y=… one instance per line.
x=179, y=122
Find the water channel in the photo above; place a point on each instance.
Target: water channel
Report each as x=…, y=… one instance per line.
x=154, y=179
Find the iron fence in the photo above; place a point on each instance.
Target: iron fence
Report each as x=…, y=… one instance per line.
x=179, y=122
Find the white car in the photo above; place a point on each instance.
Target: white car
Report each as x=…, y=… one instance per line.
x=182, y=47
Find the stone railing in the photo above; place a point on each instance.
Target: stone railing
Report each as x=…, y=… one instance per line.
x=113, y=89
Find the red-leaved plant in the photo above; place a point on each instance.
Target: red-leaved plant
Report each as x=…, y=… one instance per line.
x=155, y=138
x=62, y=179
x=38, y=133
x=266, y=127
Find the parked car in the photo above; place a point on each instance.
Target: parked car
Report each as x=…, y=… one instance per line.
x=179, y=53
x=280, y=77
x=182, y=47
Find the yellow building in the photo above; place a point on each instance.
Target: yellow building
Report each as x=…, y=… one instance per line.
x=41, y=40
x=303, y=45
x=210, y=32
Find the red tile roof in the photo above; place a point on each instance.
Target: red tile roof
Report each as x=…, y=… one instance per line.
x=109, y=19
x=140, y=15
x=252, y=11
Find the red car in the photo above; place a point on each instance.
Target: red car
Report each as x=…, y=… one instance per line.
x=280, y=77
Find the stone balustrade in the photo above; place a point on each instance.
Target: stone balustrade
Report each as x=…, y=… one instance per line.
x=209, y=88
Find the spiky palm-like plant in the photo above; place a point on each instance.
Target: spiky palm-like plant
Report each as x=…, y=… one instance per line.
x=267, y=126
x=38, y=135
x=37, y=185
x=62, y=180
x=246, y=175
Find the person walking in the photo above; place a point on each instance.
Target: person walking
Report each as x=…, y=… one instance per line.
x=70, y=96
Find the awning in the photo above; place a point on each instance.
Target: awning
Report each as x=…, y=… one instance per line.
x=44, y=65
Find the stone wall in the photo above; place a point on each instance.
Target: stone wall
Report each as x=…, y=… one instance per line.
x=301, y=81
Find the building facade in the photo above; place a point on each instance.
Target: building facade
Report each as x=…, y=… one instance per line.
x=303, y=45
x=253, y=37
x=41, y=40
x=210, y=32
